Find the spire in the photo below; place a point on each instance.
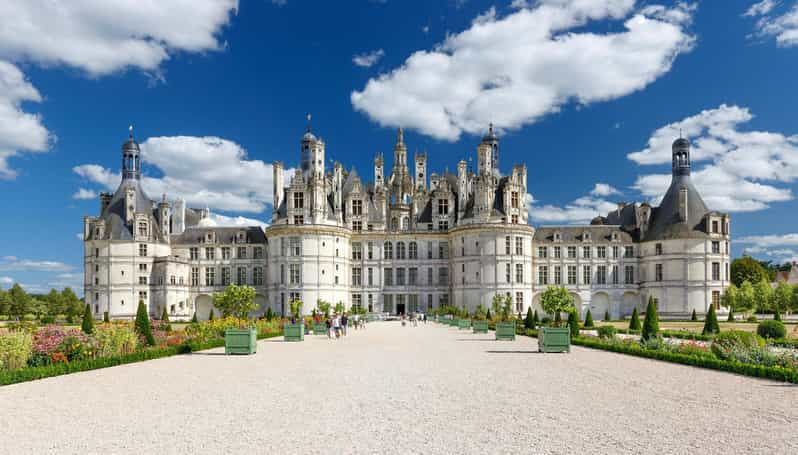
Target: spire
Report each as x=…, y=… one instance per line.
x=131, y=157
x=308, y=117
x=130, y=128
x=681, y=156
x=400, y=136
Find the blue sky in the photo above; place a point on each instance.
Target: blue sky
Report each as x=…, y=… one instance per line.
x=589, y=94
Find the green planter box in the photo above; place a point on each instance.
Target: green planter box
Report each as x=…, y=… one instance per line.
x=480, y=326
x=505, y=330
x=464, y=324
x=320, y=328
x=294, y=332
x=240, y=341
x=554, y=339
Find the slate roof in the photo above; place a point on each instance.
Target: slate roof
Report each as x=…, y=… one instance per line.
x=196, y=234
x=573, y=234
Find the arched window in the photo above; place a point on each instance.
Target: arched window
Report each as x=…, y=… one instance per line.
x=413, y=253
x=400, y=250
x=405, y=224
x=394, y=224
x=387, y=249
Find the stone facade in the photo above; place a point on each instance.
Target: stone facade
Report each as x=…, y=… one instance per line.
x=405, y=242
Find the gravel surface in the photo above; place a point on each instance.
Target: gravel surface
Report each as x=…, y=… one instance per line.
x=393, y=389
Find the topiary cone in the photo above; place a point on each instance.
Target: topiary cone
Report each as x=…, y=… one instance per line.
x=589, y=319
x=88, y=322
x=634, y=323
x=651, y=322
x=693, y=317
x=711, y=322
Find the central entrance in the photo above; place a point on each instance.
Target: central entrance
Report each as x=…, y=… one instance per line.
x=400, y=308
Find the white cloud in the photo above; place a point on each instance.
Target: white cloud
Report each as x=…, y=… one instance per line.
x=520, y=4
x=425, y=29
x=513, y=70
x=769, y=240
x=368, y=59
x=484, y=18
x=79, y=236
x=783, y=27
x=6, y=280
x=83, y=193
x=19, y=131
x=102, y=37
x=603, y=189
x=756, y=164
x=580, y=211
x=760, y=8
x=11, y=263
x=205, y=171
x=279, y=2
x=222, y=220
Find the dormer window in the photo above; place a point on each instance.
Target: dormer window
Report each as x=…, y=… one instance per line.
x=557, y=237
x=715, y=226
x=614, y=236
x=299, y=200
x=586, y=236
x=357, y=207
x=514, y=199
x=143, y=228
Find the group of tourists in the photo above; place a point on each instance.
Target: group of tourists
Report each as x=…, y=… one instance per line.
x=413, y=319
x=337, y=324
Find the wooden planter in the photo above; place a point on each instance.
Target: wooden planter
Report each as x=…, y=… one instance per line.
x=294, y=332
x=240, y=341
x=505, y=330
x=554, y=339
x=320, y=328
x=464, y=324
x=480, y=326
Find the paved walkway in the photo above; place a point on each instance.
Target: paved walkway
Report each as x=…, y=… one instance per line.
x=393, y=389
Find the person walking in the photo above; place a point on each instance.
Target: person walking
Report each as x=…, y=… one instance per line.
x=337, y=326
x=355, y=318
x=344, y=322
x=328, y=321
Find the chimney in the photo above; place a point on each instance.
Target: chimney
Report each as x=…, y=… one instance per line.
x=683, y=205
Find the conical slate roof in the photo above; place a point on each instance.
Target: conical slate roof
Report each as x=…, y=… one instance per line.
x=665, y=223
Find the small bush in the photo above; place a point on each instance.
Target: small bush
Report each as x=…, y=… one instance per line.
x=115, y=340
x=588, y=319
x=194, y=318
x=693, y=317
x=737, y=345
x=777, y=316
x=106, y=318
x=88, y=321
x=752, y=318
x=607, y=317
x=634, y=323
x=29, y=317
x=4, y=317
x=711, y=322
x=165, y=321
x=528, y=321
x=47, y=320
x=15, y=350
x=607, y=331
x=573, y=323
x=771, y=329
x=143, y=324
x=651, y=322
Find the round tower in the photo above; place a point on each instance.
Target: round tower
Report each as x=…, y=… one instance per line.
x=131, y=158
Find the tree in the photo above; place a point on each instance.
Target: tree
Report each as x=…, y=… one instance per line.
x=88, y=321
x=529, y=323
x=693, y=317
x=143, y=324
x=748, y=269
x=745, y=301
x=194, y=318
x=106, y=317
x=782, y=298
x=634, y=323
x=589, y=319
x=573, y=323
x=324, y=307
x=711, y=325
x=5, y=302
x=502, y=306
x=339, y=309
x=236, y=301
x=556, y=300
x=731, y=316
x=763, y=296
x=488, y=315
x=730, y=298
x=607, y=317
x=479, y=313
x=55, y=303
x=269, y=314
x=165, y=320
x=651, y=322
x=210, y=315
x=20, y=300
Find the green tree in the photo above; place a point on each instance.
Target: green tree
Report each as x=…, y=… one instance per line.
x=502, y=306
x=589, y=319
x=746, y=299
x=763, y=296
x=72, y=304
x=529, y=323
x=194, y=318
x=5, y=302
x=236, y=301
x=488, y=316
x=269, y=314
x=748, y=269
x=782, y=298
x=556, y=300
x=711, y=325
x=634, y=323
x=142, y=324
x=573, y=323
x=106, y=317
x=324, y=307
x=339, y=309
x=693, y=317
x=210, y=315
x=88, y=321
x=607, y=317
x=479, y=313
x=730, y=298
x=731, y=316
x=165, y=320
x=20, y=300
x=651, y=322
x=55, y=303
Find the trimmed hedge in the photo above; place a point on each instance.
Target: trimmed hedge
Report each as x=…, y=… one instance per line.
x=58, y=369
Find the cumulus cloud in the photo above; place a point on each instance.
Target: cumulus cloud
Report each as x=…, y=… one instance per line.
x=779, y=248
x=222, y=220
x=603, y=189
x=19, y=131
x=12, y=263
x=769, y=240
x=756, y=164
x=6, y=280
x=102, y=37
x=368, y=59
x=580, y=211
x=515, y=69
x=782, y=27
x=83, y=193
x=205, y=171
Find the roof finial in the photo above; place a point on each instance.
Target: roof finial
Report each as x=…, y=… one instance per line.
x=680, y=133
x=130, y=128
x=308, y=117
x=490, y=127
x=400, y=136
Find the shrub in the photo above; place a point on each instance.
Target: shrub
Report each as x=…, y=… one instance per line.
x=47, y=320
x=588, y=319
x=607, y=317
x=210, y=315
x=607, y=331
x=29, y=317
x=651, y=323
x=777, y=316
x=711, y=322
x=115, y=339
x=731, y=316
x=22, y=326
x=752, y=318
x=75, y=346
x=106, y=318
x=88, y=322
x=573, y=323
x=194, y=318
x=535, y=320
x=529, y=323
x=3, y=317
x=269, y=314
x=737, y=345
x=693, y=317
x=634, y=323
x=771, y=329
x=165, y=321
x=15, y=350
x=143, y=324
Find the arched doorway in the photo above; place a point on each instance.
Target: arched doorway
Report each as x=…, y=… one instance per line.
x=261, y=303
x=630, y=301
x=599, y=304
x=203, y=305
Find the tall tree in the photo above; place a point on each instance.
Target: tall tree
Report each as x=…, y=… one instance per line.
x=746, y=300
x=711, y=325
x=748, y=269
x=72, y=304
x=5, y=302
x=556, y=300
x=763, y=296
x=20, y=300
x=88, y=321
x=236, y=301
x=142, y=324
x=782, y=298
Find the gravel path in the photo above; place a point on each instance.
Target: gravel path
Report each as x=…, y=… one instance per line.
x=393, y=389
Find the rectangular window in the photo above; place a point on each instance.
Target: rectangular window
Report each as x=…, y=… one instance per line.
x=542, y=252
x=193, y=253
x=370, y=250
x=572, y=274
x=210, y=276
x=241, y=275
x=142, y=249
x=225, y=253
x=195, y=276
x=658, y=272
x=257, y=252
x=142, y=267
x=557, y=252
x=282, y=273
x=241, y=252
x=142, y=280
x=257, y=276
x=412, y=276
x=514, y=219
x=586, y=274
x=714, y=227
x=543, y=275
x=371, y=276
x=294, y=276
x=429, y=276
x=443, y=225
x=519, y=273
x=514, y=199
x=519, y=245
x=388, y=277
x=357, y=207
x=357, y=225
x=357, y=301
x=210, y=253
x=443, y=276
x=225, y=276
x=143, y=229
x=601, y=252
x=519, y=302
x=658, y=249
x=443, y=206
x=586, y=252
x=557, y=275
x=716, y=271
x=615, y=252
x=412, y=251
x=400, y=276
x=716, y=299
x=628, y=251
x=507, y=245
x=715, y=247
x=357, y=276
x=601, y=274
x=629, y=275
x=571, y=252
x=507, y=273
x=295, y=246
x=357, y=251
x=615, y=274
x=142, y=296
x=299, y=200
x=443, y=250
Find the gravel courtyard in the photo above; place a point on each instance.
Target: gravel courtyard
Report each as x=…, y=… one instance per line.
x=393, y=389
